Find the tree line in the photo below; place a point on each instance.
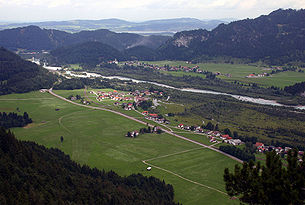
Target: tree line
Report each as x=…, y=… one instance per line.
x=14, y=120
x=272, y=183
x=237, y=152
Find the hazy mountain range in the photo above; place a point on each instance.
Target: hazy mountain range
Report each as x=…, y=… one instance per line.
x=164, y=26
x=35, y=38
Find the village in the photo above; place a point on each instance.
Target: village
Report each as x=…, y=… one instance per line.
x=132, y=100
x=165, y=67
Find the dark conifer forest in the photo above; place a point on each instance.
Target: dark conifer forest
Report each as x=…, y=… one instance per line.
x=20, y=76
x=33, y=174
x=14, y=120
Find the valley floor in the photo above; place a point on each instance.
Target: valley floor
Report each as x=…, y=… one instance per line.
x=96, y=137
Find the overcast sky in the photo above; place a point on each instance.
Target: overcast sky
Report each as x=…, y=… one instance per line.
x=138, y=10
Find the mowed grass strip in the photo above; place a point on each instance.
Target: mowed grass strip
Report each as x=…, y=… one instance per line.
x=97, y=138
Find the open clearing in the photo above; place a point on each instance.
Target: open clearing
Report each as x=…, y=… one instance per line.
x=96, y=138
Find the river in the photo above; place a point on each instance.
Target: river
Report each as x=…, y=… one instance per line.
x=260, y=101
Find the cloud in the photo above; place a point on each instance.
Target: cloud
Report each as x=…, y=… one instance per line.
x=139, y=9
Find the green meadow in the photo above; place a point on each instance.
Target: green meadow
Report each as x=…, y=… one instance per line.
x=239, y=72
x=97, y=138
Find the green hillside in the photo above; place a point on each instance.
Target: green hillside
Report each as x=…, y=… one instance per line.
x=20, y=76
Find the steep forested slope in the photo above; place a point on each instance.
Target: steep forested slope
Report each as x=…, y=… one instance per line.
x=33, y=174
x=89, y=53
x=18, y=75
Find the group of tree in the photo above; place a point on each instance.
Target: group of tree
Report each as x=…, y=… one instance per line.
x=19, y=76
x=242, y=154
x=77, y=97
x=272, y=183
x=211, y=126
x=14, y=120
x=145, y=104
x=295, y=89
x=33, y=174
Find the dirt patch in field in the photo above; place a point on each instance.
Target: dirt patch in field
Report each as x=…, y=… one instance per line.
x=34, y=125
x=6, y=109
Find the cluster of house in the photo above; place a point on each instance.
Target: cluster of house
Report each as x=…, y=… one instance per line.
x=165, y=68
x=252, y=75
x=113, y=62
x=260, y=147
x=155, y=117
x=114, y=95
x=213, y=135
x=193, y=128
x=126, y=106
x=136, y=133
x=225, y=74
x=135, y=97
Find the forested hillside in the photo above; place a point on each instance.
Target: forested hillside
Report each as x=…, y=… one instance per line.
x=33, y=174
x=35, y=38
x=90, y=53
x=276, y=38
x=19, y=76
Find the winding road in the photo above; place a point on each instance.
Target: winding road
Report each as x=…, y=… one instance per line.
x=144, y=123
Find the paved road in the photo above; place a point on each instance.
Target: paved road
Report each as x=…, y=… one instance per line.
x=144, y=123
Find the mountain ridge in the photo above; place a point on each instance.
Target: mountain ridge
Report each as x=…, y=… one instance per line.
x=120, y=25
x=35, y=38
x=276, y=38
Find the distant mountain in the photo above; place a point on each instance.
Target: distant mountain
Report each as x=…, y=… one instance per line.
x=88, y=53
x=167, y=26
x=275, y=38
x=35, y=38
x=33, y=174
x=19, y=76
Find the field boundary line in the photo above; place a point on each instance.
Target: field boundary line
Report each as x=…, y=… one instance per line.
x=168, y=155
x=15, y=99
x=60, y=119
x=186, y=179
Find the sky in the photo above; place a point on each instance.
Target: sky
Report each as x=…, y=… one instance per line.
x=138, y=10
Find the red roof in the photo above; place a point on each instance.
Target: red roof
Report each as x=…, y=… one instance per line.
x=227, y=137
x=153, y=115
x=259, y=144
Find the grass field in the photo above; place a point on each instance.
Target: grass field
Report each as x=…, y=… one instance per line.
x=239, y=73
x=96, y=138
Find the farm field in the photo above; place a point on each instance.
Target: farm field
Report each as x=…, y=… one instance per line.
x=96, y=138
x=281, y=79
x=239, y=73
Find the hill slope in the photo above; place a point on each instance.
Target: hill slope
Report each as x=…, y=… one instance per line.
x=89, y=53
x=35, y=38
x=276, y=38
x=33, y=174
x=18, y=75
